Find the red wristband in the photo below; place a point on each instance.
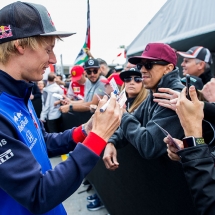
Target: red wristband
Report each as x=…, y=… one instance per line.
x=77, y=135
x=95, y=143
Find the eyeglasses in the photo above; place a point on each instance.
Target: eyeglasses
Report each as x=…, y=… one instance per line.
x=95, y=71
x=149, y=64
x=136, y=79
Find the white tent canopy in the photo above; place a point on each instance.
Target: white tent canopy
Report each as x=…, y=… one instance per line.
x=180, y=23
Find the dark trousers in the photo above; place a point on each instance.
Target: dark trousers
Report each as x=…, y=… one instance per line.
x=54, y=125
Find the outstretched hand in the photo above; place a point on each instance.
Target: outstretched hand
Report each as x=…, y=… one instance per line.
x=166, y=98
x=105, y=123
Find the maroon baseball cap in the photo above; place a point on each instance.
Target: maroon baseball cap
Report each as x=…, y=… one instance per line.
x=156, y=51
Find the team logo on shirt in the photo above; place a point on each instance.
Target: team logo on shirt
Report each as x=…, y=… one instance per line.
x=20, y=120
x=6, y=156
x=29, y=136
x=3, y=142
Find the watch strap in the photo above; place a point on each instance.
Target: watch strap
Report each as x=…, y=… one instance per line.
x=70, y=108
x=199, y=140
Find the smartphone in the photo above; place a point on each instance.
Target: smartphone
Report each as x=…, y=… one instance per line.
x=172, y=141
x=188, y=86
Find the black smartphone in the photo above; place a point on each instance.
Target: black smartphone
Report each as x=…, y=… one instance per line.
x=188, y=86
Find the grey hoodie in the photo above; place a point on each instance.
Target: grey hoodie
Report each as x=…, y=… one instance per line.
x=139, y=129
x=49, y=111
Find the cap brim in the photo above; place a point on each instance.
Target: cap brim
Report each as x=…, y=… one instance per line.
x=105, y=81
x=76, y=78
x=186, y=55
x=59, y=33
x=128, y=73
x=137, y=59
x=89, y=67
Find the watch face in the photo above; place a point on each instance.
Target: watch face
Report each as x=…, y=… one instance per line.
x=189, y=142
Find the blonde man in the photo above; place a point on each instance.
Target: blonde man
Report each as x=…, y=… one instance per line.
x=28, y=185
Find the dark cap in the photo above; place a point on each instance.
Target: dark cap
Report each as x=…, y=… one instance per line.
x=130, y=72
x=21, y=19
x=198, y=52
x=156, y=51
x=91, y=63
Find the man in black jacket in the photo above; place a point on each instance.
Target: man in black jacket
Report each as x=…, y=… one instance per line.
x=197, y=161
x=157, y=65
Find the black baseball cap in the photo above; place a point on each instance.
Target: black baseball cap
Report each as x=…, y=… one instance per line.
x=91, y=63
x=127, y=73
x=198, y=52
x=21, y=19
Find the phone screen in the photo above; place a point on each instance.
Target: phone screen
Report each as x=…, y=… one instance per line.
x=172, y=141
x=187, y=86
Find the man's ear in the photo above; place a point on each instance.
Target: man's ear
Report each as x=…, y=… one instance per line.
x=201, y=65
x=20, y=49
x=169, y=68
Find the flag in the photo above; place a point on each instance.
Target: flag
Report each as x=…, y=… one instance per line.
x=82, y=56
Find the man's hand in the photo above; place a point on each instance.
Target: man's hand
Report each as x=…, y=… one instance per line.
x=88, y=52
x=167, y=98
x=57, y=102
x=110, y=157
x=208, y=90
x=105, y=123
x=65, y=100
x=171, y=150
x=64, y=108
x=190, y=113
x=31, y=96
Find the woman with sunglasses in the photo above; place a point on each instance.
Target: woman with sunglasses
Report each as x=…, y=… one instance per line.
x=136, y=93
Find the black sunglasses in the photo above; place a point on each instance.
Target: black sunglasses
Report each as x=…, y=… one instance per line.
x=129, y=79
x=95, y=71
x=149, y=64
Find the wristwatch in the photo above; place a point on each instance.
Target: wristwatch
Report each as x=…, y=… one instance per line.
x=70, y=108
x=192, y=141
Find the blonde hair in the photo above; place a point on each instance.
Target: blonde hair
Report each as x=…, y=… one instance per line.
x=8, y=49
x=142, y=95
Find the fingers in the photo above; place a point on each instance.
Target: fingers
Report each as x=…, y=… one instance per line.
x=182, y=96
x=102, y=102
x=161, y=95
x=109, y=164
x=173, y=156
x=169, y=91
x=110, y=161
x=193, y=94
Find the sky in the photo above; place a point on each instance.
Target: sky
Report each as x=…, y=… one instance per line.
x=113, y=23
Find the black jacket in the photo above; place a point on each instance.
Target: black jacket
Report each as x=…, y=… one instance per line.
x=198, y=165
x=165, y=184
